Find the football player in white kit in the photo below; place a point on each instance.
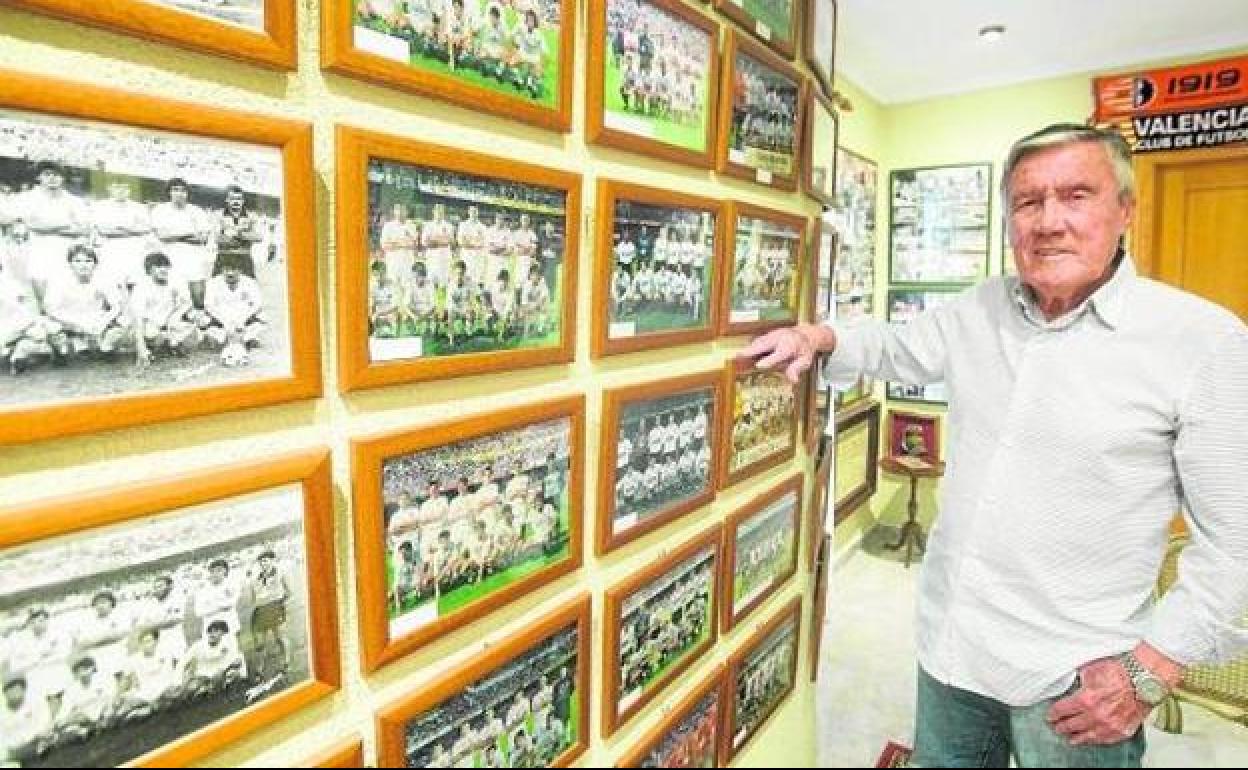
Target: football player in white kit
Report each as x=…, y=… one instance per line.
x=530, y=52
x=534, y=302
x=398, y=245
x=498, y=246
x=89, y=311
x=54, y=219
x=436, y=236
x=235, y=308
x=420, y=301
x=122, y=227
x=24, y=330
x=470, y=238
x=524, y=246
x=183, y=230
x=160, y=310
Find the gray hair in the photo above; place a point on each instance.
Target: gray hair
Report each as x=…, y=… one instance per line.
x=1059, y=134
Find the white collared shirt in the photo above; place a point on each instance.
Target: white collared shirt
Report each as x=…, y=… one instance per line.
x=1071, y=445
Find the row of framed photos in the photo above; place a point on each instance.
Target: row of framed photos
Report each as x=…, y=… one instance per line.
x=161, y=624
x=163, y=265
x=656, y=87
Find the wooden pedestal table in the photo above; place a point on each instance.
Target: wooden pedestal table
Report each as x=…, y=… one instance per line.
x=915, y=468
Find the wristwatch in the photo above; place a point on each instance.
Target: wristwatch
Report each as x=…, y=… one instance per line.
x=1149, y=688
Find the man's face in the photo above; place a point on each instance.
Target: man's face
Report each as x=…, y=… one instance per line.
x=15, y=694
x=51, y=179
x=147, y=645
x=215, y=636
x=1065, y=218
x=39, y=624
x=217, y=575
x=231, y=276
x=234, y=202
x=179, y=195
x=119, y=192
x=103, y=607
x=82, y=266
x=162, y=589
x=84, y=674
x=160, y=274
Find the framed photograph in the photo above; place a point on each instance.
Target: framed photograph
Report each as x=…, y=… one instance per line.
x=854, y=218
x=456, y=519
x=523, y=702
x=857, y=456
x=255, y=31
x=760, y=115
x=658, y=623
x=347, y=753
x=689, y=734
x=915, y=435
x=762, y=675
x=904, y=305
x=653, y=79
x=660, y=455
x=154, y=624
x=656, y=279
x=157, y=260
x=825, y=246
x=450, y=263
x=940, y=224
x=818, y=507
x=762, y=283
x=774, y=22
x=506, y=59
x=820, y=49
x=819, y=602
x=819, y=148
x=760, y=551
x=760, y=415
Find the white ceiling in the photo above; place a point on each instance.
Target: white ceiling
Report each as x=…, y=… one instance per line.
x=905, y=50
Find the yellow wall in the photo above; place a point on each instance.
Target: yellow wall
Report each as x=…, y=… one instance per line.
x=35, y=44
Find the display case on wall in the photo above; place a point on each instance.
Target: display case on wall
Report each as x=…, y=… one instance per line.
x=940, y=224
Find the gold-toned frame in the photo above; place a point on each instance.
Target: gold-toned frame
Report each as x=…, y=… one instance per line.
x=368, y=454
x=673, y=716
x=391, y=720
x=733, y=211
x=723, y=164
x=612, y=717
x=340, y=55
x=815, y=101
x=98, y=413
x=72, y=514
x=273, y=47
x=728, y=478
x=867, y=411
x=730, y=618
x=792, y=611
x=610, y=192
x=735, y=10
x=596, y=130
x=825, y=75
x=614, y=401
x=355, y=367
x=345, y=753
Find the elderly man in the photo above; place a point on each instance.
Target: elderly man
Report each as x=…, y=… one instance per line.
x=1087, y=405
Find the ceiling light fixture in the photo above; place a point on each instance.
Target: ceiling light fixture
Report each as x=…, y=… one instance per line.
x=992, y=33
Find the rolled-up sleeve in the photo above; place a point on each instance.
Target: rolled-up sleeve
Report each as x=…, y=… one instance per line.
x=1202, y=618
x=913, y=354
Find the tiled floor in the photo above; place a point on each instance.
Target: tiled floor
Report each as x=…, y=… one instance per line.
x=866, y=684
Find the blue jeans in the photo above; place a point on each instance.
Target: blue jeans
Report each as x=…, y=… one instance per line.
x=957, y=728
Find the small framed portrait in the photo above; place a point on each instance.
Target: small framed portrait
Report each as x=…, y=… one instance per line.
x=818, y=515
x=689, y=734
x=345, y=753
x=660, y=455
x=653, y=79
x=255, y=31
x=523, y=702
x=762, y=283
x=941, y=221
x=820, y=39
x=762, y=675
x=905, y=305
x=659, y=622
x=179, y=615
x=760, y=417
x=450, y=263
x=761, y=115
x=157, y=260
x=760, y=551
x=914, y=435
x=508, y=59
x=774, y=22
x=857, y=456
x=456, y=519
x=656, y=280
x=819, y=148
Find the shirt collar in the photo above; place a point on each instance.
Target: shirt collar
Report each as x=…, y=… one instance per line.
x=1107, y=302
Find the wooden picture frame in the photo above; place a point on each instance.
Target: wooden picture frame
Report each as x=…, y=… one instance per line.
x=760, y=510
x=821, y=289
x=615, y=402
x=676, y=720
x=865, y=477
x=348, y=752
x=818, y=507
x=270, y=43
x=245, y=494
x=609, y=335
x=733, y=161
x=380, y=642
x=817, y=29
x=819, y=174
x=914, y=434
x=766, y=314
x=79, y=112
x=819, y=603
x=735, y=370
x=572, y=615
x=358, y=150
x=815, y=417
x=774, y=630
x=391, y=65
x=773, y=33
x=614, y=714
x=608, y=125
